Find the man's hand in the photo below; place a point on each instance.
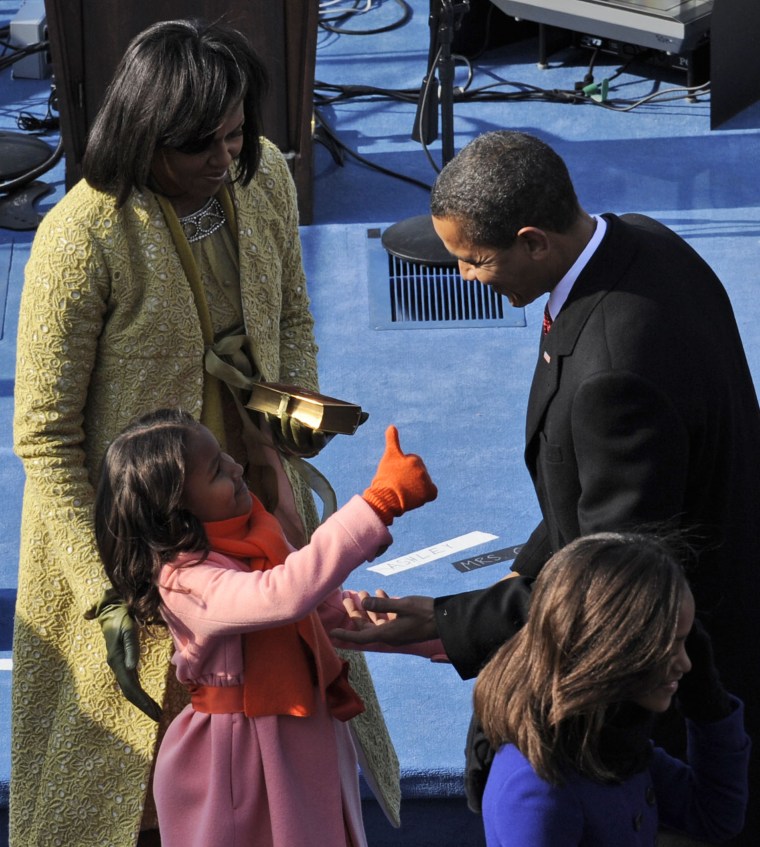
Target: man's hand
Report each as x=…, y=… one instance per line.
x=389, y=620
x=123, y=650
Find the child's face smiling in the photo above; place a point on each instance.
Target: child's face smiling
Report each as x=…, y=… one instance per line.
x=214, y=486
x=658, y=699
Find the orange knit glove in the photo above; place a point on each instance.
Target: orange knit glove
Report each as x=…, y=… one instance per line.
x=401, y=482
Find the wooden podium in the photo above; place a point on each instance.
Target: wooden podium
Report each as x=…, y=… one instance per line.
x=88, y=37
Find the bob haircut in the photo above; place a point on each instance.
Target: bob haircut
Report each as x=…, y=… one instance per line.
x=501, y=182
x=140, y=523
x=600, y=630
x=173, y=87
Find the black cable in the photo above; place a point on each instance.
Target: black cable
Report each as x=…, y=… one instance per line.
x=342, y=93
x=485, y=94
x=486, y=34
x=582, y=95
x=326, y=136
x=13, y=184
x=683, y=91
x=588, y=79
x=32, y=123
x=406, y=16
x=343, y=14
x=11, y=58
x=419, y=133
x=355, y=92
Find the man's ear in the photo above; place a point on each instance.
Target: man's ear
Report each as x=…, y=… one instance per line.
x=535, y=241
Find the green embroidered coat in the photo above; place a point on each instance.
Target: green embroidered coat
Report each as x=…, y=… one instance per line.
x=109, y=329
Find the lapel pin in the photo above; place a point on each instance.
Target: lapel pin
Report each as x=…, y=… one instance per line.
x=547, y=358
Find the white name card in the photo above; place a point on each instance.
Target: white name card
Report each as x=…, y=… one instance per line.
x=430, y=554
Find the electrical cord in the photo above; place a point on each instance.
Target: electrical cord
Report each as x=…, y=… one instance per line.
x=325, y=135
x=586, y=92
x=29, y=176
x=422, y=112
x=524, y=91
x=327, y=23
x=32, y=123
x=491, y=93
x=342, y=93
x=486, y=33
x=6, y=60
x=681, y=91
x=344, y=12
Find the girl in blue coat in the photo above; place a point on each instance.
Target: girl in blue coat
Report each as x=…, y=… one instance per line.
x=569, y=702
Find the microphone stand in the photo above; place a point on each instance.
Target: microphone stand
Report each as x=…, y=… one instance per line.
x=414, y=239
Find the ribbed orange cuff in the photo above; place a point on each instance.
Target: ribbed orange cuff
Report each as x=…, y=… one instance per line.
x=385, y=502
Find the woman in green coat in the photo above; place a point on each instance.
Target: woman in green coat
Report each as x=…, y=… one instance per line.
x=183, y=231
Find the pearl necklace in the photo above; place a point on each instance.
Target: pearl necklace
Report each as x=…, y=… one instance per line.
x=206, y=221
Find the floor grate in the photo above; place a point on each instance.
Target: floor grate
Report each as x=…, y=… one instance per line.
x=408, y=295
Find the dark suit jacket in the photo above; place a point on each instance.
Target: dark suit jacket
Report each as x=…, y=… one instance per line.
x=642, y=413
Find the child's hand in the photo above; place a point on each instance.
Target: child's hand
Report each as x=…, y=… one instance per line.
x=391, y=621
x=362, y=618
x=401, y=482
x=374, y=625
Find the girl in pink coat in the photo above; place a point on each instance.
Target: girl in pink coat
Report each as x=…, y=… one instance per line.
x=262, y=755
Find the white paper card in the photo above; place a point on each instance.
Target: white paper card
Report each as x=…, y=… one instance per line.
x=430, y=554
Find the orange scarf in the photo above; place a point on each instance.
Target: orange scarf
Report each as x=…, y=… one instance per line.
x=284, y=664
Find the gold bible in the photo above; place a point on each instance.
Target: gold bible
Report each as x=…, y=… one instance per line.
x=315, y=410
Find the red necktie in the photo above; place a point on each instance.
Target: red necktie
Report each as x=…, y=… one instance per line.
x=547, y=319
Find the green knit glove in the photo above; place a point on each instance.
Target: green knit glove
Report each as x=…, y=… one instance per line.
x=297, y=439
x=123, y=649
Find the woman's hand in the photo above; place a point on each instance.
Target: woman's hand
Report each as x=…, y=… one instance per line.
x=123, y=650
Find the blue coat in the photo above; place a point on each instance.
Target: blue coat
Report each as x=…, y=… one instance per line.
x=704, y=799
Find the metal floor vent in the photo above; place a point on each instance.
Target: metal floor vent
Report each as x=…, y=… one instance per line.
x=410, y=295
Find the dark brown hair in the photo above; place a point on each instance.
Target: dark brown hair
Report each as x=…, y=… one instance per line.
x=140, y=523
x=600, y=629
x=173, y=87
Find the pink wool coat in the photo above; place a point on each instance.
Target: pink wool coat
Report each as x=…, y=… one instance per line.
x=274, y=781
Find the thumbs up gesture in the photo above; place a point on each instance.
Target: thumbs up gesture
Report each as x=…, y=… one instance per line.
x=401, y=482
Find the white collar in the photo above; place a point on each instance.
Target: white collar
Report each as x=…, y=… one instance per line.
x=562, y=289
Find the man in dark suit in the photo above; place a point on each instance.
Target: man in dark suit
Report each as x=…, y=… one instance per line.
x=642, y=412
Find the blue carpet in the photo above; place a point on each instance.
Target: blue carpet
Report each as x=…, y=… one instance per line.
x=457, y=394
